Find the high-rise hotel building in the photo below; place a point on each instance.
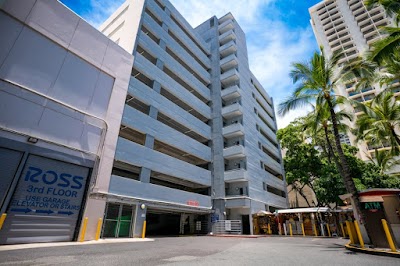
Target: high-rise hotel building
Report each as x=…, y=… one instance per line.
x=197, y=140
x=348, y=26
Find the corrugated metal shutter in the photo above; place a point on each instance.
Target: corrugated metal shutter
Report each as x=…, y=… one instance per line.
x=9, y=161
x=46, y=203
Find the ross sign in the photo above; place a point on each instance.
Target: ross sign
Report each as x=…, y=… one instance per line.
x=49, y=187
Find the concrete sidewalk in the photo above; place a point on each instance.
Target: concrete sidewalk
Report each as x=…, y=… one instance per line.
x=62, y=244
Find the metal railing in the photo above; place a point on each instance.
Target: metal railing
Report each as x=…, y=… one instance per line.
x=227, y=227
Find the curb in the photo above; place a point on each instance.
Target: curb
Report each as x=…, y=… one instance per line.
x=11, y=247
x=373, y=251
x=261, y=236
x=237, y=236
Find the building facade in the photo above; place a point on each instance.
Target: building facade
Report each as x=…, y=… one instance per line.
x=149, y=121
x=62, y=92
x=348, y=26
x=197, y=141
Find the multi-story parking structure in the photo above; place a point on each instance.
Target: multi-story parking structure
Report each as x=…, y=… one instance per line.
x=197, y=140
x=348, y=26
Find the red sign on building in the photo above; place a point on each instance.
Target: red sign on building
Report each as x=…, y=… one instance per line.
x=192, y=203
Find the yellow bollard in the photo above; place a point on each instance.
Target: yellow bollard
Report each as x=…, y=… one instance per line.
x=144, y=229
x=329, y=230
x=83, y=232
x=360, y=239
x=388, y=235
x=349, y=232
x=315, y=230
x=99, y=223
x=2, y=219
x=302, y=229
x=290, y=229
x=269, y=229
x=343, y=232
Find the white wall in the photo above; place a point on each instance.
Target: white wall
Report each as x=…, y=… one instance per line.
x=123, y=25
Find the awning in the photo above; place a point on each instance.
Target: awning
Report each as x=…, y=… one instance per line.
x=371, y=199
x=302, y=210
x=263, y=213
x=171, y=206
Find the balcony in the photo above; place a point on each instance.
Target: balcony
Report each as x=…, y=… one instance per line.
x=227, y=17
x=227, y=37
x=227, y=49
x=228, y=62
x=234, y=152
x=234, y=130
x=232, y=110
x=236, y=202
x=225, y=26
x=236, y=175
x=229, y=77
x=230, y=93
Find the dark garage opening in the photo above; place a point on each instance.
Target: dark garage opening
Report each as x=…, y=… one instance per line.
x=162, y=224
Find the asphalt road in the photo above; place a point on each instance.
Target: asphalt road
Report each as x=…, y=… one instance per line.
x=200, y=251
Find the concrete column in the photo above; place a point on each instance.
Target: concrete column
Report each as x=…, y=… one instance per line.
x=139, y=219
x=218, y=165
x=160, y=64
x=162, y=44
x=156, y=86
x=165, y=27
x=153, y=112
x=167, y=11
x=144, y=175
x=149, y=142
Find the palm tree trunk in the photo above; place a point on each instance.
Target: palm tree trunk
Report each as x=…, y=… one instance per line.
x=338, y=165
x=328, y=143
x=348, y=180
x=395, y=136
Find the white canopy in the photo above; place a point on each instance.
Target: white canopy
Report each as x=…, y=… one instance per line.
x=302, y=210
x=263, y=213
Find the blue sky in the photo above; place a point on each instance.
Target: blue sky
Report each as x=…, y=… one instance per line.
x=278, y=33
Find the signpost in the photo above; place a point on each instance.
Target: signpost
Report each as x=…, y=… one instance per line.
x=214, y=217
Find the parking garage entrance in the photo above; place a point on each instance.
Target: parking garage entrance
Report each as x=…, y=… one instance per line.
x=165, y=223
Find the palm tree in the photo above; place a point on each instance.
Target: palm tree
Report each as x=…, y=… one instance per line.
x=380, y=121
x=318, y=122
x=384, y=159
x=391, y=72
x=384, y=49
x=316, y=81
x=392, y=7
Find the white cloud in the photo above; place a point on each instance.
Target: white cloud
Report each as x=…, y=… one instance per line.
x=100, y=11
x=196, y=11
x=272, y=45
